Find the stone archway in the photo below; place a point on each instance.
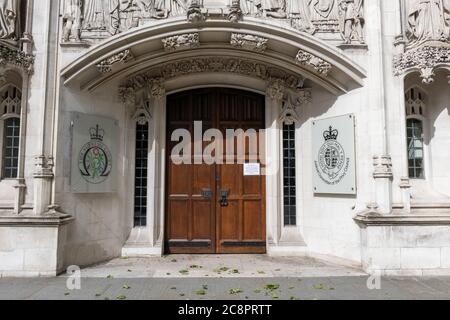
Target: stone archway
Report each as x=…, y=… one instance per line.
x=152, y=62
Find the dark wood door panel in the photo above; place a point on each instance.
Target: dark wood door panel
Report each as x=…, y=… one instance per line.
x=197, y=221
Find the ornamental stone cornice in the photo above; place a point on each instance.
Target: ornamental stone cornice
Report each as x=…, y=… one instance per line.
x=426, y=59
x=12, y=57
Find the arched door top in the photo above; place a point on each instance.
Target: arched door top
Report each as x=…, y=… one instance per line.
x=251, y=49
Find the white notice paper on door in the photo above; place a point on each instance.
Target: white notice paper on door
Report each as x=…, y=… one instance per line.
x=252, y=169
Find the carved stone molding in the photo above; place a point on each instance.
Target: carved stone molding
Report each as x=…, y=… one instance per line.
x=16, y=58
x=249, y=42
x=105, y=66
x=191, y=66
x=309, y=60
x=382, y=167
x=426, y=59
x=182, y=41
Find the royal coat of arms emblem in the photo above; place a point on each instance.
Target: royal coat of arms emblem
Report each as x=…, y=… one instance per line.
x=332, y=161
x=95, y=160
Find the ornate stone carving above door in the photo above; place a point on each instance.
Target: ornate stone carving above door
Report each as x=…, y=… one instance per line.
x=93, y=20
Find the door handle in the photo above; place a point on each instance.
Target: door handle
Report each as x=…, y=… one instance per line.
x=224, y=198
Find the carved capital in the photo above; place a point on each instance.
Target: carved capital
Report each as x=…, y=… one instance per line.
x=382, y=167
x=405, y=183
x=13, y=57
x=43, y=167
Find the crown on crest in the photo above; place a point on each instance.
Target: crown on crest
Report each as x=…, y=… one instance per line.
x=97, y=133
x=331, y=134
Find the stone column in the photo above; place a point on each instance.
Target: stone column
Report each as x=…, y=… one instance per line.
x=377, y=115
x=42, y=105
x=274, y=102
x=156, y=163
x=20, y=185
x=399, y=123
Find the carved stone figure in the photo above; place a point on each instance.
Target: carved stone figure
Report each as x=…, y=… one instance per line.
x=96, y=14
x=428, y=20
x=194, y=12
x=235, y=13
x=72, y=20
x=178, y=7
x=9, y=19
x=273, y=8
x=251, y=7
x=352, y=20
x=300, y=14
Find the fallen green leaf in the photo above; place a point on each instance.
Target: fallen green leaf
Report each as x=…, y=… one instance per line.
x=319, y=286
x=272, y=287
x=121, y=297
x=200, y=292
x=235, y=291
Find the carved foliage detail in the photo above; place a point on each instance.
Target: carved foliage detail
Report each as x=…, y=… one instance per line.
x=309, y=60
x=183, y=41
x=249, y=42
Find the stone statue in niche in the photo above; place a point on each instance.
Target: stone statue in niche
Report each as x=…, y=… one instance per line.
x=72, y=20
x=96, y=15
x=352, y=21
x=9, y=20
x=428, y=20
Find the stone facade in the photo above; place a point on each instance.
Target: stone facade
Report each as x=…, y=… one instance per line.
x=386, y=62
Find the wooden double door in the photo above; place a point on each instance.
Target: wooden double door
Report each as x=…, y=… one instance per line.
x=214, y=208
